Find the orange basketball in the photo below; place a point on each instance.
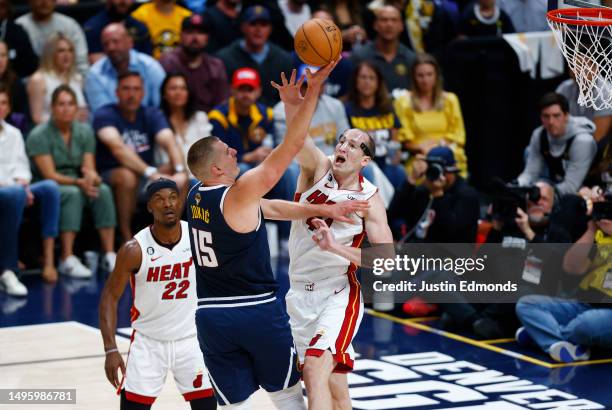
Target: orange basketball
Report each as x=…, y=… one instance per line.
x=317, y=42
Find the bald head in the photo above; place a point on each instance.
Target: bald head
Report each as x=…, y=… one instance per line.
x=117, y=43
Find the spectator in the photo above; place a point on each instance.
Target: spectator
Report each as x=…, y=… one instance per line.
x=443, y=211
x=16, y=90
x=257, y=52
x=328, y=123
x=601, y=118
x=429, y=115
x=42, y=22
x=205, y=74
x=370, y=109
x=485, y=19
x=431, y=25
x=16, y=190
x=296, y=13
x=188, y=123
x=247, y=125
x=567, y=329
x=115, y=11
x=101, y=81
x=600, y=173
x=23, y=59
x=561, y=149
x=163, y=18
x=224, y=21
x=57, y=66
x=526, y=15
x=391, y=57
x=63, y=150
x=127, y=135
x=350, y=16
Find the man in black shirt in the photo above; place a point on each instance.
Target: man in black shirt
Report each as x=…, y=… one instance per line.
x=444, y=210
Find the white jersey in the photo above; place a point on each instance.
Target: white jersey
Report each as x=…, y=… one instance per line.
x=307, y=262
x=163, y=289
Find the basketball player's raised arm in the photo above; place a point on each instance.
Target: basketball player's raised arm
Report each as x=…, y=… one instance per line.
x=129, y=259
x=279, y=210
x=376, y=227
x=310, y=157
x=256, y=182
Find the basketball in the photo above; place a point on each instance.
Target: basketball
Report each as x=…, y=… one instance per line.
x=317, y=42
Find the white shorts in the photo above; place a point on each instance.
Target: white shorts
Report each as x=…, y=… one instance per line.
x=326, y=316
x=148, y=363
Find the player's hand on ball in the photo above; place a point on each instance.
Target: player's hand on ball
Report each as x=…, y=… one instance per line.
x=316, y=80
x=323, y=235
x=341, y=211
x=112, y=364
x=289, y=90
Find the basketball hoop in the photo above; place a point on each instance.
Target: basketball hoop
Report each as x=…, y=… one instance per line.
x=584, y=36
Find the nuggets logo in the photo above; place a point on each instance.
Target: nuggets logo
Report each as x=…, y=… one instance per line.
x=257, y=135
x=197, y=198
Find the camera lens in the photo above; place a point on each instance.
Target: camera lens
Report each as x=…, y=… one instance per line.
x=434, y=171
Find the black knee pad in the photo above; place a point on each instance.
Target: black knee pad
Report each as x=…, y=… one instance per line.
x=206, y=403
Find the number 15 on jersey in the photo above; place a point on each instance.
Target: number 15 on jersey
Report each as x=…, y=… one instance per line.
x=205, y=255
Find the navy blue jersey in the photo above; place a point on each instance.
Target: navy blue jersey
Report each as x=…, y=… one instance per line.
x=227, y=263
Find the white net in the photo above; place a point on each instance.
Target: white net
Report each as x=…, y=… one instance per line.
x=587, y=48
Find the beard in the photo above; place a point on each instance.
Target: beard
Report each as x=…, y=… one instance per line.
x=193, y=51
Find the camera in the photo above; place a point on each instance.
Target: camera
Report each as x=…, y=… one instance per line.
x=507, y=198
x=435, y=169
x=603, y=210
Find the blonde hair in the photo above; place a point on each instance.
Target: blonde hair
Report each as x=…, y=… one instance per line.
x=47, y=58
x=438, y=92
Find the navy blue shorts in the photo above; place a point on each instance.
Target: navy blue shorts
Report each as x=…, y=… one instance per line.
x=246, y=347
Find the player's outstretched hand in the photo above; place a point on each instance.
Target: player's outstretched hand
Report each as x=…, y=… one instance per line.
x=289, y=90
x=112, y=364
x=323, y=236
x=316, y=80
x=341, y=211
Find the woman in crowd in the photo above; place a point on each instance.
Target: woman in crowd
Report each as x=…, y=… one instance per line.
x=430, y=116
x=188, y=124
x=57, y=67
x=63, y=150
x=16, y=193
x=369, y=107
x=16, y=91
x=350, y=16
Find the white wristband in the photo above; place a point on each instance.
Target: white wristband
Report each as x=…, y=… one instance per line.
x=179, y=168
x=111, y=350
x=149, y=172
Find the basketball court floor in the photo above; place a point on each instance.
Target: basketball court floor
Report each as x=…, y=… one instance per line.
x=50, y=341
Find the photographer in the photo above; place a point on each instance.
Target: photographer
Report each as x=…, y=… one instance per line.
x=444, y=209
x=532, y=269
x=567, y=329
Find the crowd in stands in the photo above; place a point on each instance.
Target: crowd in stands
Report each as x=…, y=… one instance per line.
x=91, y=111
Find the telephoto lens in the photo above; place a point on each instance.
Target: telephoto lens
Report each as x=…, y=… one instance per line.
x=434, y=171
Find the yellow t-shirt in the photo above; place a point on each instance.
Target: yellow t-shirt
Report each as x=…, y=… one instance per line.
x=444, y=126
x=600, y=271
x=164, y=29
